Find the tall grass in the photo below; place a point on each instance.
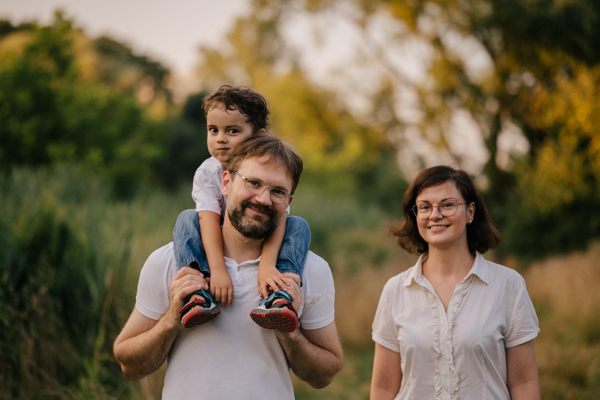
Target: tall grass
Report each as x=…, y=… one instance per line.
x=566, y=294
x=67, y=255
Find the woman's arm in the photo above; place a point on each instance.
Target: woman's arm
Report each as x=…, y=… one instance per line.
x=523, y=379
x=387, y=374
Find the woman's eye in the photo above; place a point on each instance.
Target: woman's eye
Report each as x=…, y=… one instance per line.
x=424, y=208
x=448, y=206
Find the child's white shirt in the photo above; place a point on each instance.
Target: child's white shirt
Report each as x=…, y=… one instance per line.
x=206, y=190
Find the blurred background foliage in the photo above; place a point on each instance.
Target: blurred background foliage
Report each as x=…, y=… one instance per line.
x=96, y=162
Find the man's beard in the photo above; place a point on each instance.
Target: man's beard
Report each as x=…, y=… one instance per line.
x=243, y=224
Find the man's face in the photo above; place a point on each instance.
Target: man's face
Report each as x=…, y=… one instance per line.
x=255, y=216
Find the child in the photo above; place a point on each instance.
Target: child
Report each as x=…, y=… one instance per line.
x=234, y=114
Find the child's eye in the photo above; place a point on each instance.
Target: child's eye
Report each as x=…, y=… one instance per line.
x=213, y=130
x=233, y=131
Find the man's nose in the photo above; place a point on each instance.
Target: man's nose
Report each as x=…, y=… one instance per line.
x=264, y=197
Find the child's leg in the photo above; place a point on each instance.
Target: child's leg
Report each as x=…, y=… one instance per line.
x=198, y=307
x=294, y=247
x=187, y=243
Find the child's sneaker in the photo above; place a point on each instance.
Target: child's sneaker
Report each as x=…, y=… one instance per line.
x=206, y=311
x=276, y=312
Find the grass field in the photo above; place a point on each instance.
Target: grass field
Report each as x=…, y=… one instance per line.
x=70, y=257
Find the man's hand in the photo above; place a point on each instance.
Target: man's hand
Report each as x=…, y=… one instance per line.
x=221, y=287
x=144, y=343
x=293, y=289
x=271, y=280
x=186, y=282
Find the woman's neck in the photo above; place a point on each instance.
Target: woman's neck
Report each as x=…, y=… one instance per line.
x=454, y=261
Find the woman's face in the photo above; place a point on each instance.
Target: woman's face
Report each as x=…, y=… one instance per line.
x=439, y=231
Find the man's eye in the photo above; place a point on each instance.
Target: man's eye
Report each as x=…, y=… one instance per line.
x=254, y=184
x=278, y=193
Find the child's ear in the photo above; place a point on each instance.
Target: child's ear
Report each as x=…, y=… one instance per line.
x=225, y=183
x=261, y=132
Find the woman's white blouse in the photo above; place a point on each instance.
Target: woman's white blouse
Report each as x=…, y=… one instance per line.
x=459, y=353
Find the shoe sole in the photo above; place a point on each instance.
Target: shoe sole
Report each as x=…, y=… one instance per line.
x=198, y=317
x=282, y=320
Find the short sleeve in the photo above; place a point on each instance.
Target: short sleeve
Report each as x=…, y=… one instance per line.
x=523, y=324
x=206, y=190
x=317, y=310
x=385, y=331
x=153, y=292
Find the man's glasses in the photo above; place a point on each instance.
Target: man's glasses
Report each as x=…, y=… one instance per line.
x=256, y=187
x=447, y=209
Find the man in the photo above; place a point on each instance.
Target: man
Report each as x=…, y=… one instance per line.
x=231, y=357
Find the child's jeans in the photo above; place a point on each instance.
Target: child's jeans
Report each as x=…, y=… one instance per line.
x=189, y=248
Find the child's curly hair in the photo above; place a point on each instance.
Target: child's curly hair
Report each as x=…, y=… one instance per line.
x=248, y=102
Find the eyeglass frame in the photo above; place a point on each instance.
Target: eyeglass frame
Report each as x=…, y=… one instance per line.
x=415, y=210
x=270, y=189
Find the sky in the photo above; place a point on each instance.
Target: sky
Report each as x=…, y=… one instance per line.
x=169, y=32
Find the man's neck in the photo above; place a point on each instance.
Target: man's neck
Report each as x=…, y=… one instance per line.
x=238, y=247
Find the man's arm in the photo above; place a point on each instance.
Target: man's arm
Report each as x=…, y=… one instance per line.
x=143, y=344
x=314, y=355
x=523, y=379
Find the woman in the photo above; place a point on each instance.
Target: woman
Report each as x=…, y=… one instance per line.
x=454, y=326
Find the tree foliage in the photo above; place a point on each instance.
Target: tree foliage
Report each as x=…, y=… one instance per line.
x=339, y=150
x=59, y=105
x=508, y=90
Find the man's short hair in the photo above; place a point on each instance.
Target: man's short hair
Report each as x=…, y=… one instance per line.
x=481, y=233
x=268, y=145
x=248, y=102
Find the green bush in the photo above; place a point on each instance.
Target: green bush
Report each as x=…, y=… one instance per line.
x=64, y=246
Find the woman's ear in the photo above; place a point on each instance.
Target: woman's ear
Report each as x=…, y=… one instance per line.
x=471, y=212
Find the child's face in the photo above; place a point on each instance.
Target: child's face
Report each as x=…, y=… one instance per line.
x=226, y=129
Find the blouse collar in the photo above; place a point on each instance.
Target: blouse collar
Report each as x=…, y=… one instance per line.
x=480, y=269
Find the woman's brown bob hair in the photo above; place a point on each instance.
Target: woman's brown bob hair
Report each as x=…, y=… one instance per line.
x=481, y=234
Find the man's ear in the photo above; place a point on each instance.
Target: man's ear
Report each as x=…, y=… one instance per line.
x=291, y=199
x=225, y=183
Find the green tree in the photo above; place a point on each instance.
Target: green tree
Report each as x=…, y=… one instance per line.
x=340, y=151
x=524, y=71
x=54, y=109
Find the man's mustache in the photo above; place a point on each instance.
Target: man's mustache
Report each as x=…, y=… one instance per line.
x=259, y=207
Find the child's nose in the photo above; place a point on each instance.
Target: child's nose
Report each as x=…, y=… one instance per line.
x=221, y=137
